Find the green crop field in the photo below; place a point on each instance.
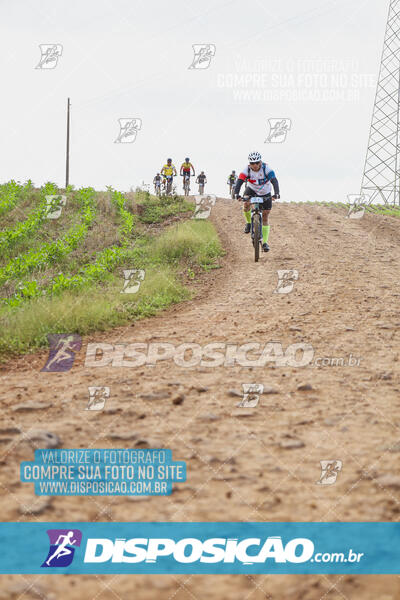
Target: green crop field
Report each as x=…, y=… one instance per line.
x=62, y=265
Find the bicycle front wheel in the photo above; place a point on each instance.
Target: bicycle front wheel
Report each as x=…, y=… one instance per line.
x=256, y=229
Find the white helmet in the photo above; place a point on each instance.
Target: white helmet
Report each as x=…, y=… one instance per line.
x=254, y=157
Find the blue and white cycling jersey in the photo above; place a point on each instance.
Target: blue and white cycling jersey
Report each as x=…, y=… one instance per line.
x=259, y=181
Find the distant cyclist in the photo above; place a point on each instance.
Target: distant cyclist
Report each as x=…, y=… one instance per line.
x=231, y=180
x=186, y=168
x=201, y=180
x=157, y=183
x=259, y=177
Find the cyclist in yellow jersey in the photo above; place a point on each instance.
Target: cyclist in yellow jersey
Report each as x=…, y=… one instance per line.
x=168, y=169
x=186, y=167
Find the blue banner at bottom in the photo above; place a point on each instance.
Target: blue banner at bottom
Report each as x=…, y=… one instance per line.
x=196, y=548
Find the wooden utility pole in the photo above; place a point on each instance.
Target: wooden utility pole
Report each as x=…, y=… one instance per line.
x=67, y=159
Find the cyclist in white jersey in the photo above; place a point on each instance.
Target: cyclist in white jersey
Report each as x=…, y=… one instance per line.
x=260, y=179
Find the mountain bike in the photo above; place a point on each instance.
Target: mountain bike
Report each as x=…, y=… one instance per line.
x=157, y=188
x=256, y=224
x=186, y=184
x=201, y=188
x=232, y=189
x=168, y=184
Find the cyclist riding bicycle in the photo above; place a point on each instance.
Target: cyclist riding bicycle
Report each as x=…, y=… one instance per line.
x=202, y=178
x=231, y=182
x=168, y=171
x=186, y=169
x=157, y=182
x=232, y=178
x=260, y=179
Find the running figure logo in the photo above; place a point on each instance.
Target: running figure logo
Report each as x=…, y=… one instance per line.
x=278, y=129
x=203, y=54
x=358, y=204
x=50, y=54
x=286, y=280
x=329, y=471
x=128, y=129
x=133, y=279
x=251, y=395
x=204, y=205
x=61, y=551
x=97, y=397
x=55, y=205
x=63, y=347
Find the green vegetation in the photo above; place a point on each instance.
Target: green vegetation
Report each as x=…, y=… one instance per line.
x=10, y=237
x=73, y=281
x=391, y=211
x=193, y=241
x=51, y=252
x=11, y=193
x=155, y=210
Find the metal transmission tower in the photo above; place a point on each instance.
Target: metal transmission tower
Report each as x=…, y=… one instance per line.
x=381, y=179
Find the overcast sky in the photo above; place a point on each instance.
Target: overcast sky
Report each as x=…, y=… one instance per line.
x=314, y=62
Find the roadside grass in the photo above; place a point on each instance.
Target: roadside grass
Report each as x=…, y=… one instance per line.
x=152, y=209
x=166, y=260
x=193, y=241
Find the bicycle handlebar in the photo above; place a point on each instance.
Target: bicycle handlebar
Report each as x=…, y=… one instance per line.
x=249, y=197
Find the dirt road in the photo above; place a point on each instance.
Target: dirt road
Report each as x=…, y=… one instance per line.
x=244, y=464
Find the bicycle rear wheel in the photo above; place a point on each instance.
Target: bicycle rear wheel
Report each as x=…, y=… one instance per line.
x=256, y=229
